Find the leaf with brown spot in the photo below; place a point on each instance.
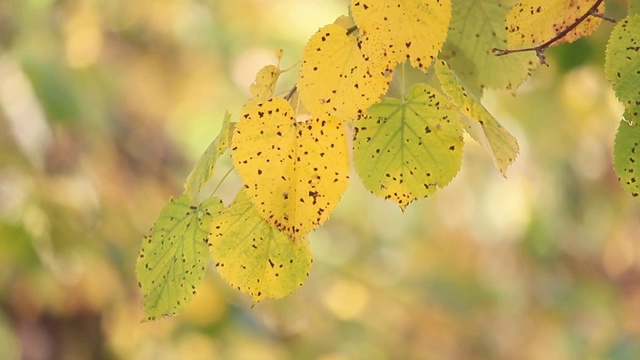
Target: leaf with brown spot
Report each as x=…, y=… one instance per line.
x=534, y=22
x=335, y=79
x=478, y=122
x=253, y=256
x=407, y=149
x=401, y=30
x=294, y=172
x=174, y=257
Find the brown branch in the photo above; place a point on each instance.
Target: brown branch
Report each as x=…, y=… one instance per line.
x=540, y=49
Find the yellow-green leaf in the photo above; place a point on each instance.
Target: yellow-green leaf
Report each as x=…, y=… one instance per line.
x=478, y=122
x=264, y=85
x=295, y=173
x=173, y=258
x=335, y=79
x=405, y=150
x=477, y=26
x=622, y=65
x=254, y=257
x=401, y=30
x=204, y=169
x=534, y=22
x=626, y=152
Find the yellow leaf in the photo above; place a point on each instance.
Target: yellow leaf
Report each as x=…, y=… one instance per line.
x=402, y=30
x=294, y=172
x=534, y=22
x=264, y=85
x=335, y=79
x=254, y=257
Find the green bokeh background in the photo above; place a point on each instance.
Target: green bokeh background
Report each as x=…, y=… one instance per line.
x=106, y=105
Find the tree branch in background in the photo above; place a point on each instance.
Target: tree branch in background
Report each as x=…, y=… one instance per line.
x=540, y=49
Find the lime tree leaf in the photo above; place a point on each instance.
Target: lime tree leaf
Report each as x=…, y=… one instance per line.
x=254, y=257
x=478, y=122
x=173, y=258
x=622, y=64
x=263, y=86
x=203, y=171
x=405, y=150
x=294, y=172
x=626, y=153
x=534, y=22
x=401, y=30
x=477, y=26
x=335, y=79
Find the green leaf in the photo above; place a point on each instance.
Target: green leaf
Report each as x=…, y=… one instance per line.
x=173, y=258
x=254, y=257
x=294, y=172
x=404, y=150
x=478, y=122
x=622, y=64
x=476, y=28
x=204, y=169
x=626, y=152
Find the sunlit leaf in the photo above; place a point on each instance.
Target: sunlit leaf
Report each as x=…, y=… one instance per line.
x=401, y=30
x=622, y=64
x=173, y=258
x=534, y=22
x=478, y=122
x=254, y=257
x=204, y=169
x=335, y=79
x=477, y=26
x=263, y=86
x=404, y=150
x=626, y=152
x=294, y=172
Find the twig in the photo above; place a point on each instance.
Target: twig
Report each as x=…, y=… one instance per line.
x=291, y=92
x=540, y=49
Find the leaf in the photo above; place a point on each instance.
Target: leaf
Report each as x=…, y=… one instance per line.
x=173, y=258
x=534, y=22
x=404, y=150
x=626, y=153
x=622, y=64
x=204, y=169
x=478, y=122
x=254, y=257
x=295, y=173
x=477, y=26
x=401, y=30
x=264, y=85
x=335, y=79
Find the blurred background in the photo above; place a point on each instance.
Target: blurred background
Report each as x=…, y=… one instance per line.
x=106, y=105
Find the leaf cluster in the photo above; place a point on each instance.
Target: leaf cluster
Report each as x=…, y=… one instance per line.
x=293, y=151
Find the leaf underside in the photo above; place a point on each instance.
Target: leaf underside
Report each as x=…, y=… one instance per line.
x=173, y=258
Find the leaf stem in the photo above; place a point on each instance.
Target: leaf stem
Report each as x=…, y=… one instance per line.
x=222, y=180
x=540, y=49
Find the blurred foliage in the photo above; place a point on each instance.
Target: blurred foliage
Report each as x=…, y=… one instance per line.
x=106, y=105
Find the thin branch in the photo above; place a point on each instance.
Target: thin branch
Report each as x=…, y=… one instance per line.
x=540, y=49
x=291, y=92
